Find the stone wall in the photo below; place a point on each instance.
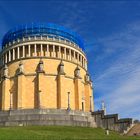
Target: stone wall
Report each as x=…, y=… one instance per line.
x=64, y=117
x=47, y=89
x=111, y=121
x=46, y=117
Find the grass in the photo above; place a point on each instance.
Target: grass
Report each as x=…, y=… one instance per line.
x=58, y=133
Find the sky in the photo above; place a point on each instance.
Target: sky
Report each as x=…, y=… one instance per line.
x=111, y=32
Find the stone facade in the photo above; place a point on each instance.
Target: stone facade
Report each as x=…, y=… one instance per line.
x=38, y=72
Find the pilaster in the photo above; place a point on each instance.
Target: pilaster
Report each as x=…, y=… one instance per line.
x=77, y=89
x=89, y=105
x=60, y=82
x=20, y=90
x=5, y=94
x=40, y=89
x=20, y=86
x=5, y=89
x=40, y=85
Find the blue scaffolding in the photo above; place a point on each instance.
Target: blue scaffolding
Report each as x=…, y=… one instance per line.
x=37, y=29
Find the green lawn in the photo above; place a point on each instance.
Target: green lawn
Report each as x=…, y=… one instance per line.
x=58, y=133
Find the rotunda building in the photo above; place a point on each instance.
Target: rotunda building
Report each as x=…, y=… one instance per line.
x=44, y=66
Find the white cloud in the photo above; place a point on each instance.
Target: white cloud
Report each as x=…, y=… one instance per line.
x=119, y=84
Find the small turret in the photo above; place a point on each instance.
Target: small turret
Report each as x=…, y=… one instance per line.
x=87, y=77
x=21, y=68
x=77, y=72
x=41, y=66
x=5, y=71
x=61, y=68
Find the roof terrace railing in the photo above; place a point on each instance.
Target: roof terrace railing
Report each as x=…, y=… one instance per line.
x=43, y=38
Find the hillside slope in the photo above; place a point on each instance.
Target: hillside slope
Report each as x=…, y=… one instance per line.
x=58, y=133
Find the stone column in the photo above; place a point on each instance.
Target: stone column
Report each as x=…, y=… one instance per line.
x=81, y=60
x=47, y=49
x=70, y=54
x=17, y=52
x=41, y=37
x=77, y=58
x=65, y=53
x=41, y=49
x=3, y=59
x=23, y=51
x=54, y=54
x=13, y=54
x=9, y=55
x=35, y=54
x=59, y=52
x=6, y=57
x=85, y=64
x=29, y=50
x=73, y=56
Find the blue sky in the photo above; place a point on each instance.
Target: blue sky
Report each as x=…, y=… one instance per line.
x=111, y=30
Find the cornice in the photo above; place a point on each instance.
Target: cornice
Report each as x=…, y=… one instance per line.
x=43, y=57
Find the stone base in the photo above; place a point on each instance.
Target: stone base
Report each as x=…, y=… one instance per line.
x=46, y=117
x=26, y=117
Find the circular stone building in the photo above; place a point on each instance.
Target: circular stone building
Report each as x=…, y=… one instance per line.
x=43, y=66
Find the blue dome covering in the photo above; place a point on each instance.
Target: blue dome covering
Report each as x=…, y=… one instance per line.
x=37, y=29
